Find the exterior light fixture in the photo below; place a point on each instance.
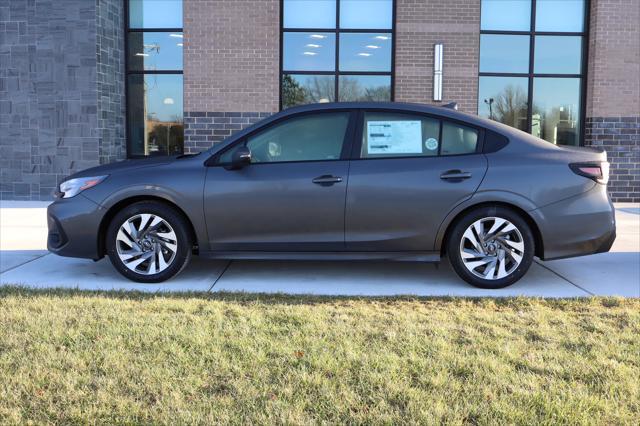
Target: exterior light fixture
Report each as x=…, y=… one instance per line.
x=437, y=72
x=364, y=54
x=318, y=36
x=176, y=35
x=315, y=46
x=372, y=46
x=309, y=53
x=381, y=37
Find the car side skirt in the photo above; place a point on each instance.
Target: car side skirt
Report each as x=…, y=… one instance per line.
x=427, y=256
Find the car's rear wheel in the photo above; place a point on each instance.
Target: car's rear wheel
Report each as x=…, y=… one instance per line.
x=148, y=242
x=491, y=247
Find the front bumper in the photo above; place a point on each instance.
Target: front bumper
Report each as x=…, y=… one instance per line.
x=74, y=227
x=578, y=226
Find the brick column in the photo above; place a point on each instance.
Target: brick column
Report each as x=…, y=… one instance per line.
x=231, y=67
x=613, y=92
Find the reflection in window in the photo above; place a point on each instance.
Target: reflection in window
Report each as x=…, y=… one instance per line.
x=504, y=53
x=558, y=55
x=560, y=15
x=155, y=51
x=365, y=88
x=309, y=51
x=366, y=14
x=299, y=89
x=506, y=15
x=458, y=140
x=155, y=14
x=312, y=71
x=541, y=95
x=504, y=99
x=155, y=114
x=556, y=110
x=154, y=78
x=365, y=52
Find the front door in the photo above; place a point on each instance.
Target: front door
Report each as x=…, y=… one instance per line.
x=291, y=197
x=412, y=170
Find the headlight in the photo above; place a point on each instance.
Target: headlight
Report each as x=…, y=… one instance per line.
x=72, y=187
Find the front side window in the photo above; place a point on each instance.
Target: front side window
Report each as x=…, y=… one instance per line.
x=388, y=135
x=311, y=137
x=336, y=50
x=531, y=66
x=154, y=78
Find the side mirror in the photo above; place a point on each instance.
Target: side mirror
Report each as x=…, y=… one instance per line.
x=240, y=158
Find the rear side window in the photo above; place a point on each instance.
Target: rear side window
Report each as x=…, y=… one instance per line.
x=399, y=135
x=457, y=139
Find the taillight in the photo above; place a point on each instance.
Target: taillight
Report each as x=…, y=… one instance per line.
x=596, y=171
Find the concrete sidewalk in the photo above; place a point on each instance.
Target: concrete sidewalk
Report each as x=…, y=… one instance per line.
x=25, y=261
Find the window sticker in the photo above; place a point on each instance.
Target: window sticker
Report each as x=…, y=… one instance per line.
x=394, y=137
x=431, y=144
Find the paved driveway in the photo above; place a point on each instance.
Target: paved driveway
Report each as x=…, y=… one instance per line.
x=24, y=261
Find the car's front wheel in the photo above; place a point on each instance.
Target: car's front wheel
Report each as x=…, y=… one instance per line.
x=148, y=242
x=491, y=247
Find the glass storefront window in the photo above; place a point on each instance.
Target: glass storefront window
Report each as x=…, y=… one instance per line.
x=298, y=89
x=155, y=14
x=532, y=78
x=504, y=53
x=556, y=110
x=369, y=88
x=504, y=99
x=155, y=114
x=326, y=59
x=560, y=15
x=155, y=51
x=506, y=15
x=558, y=55
x=154, y=78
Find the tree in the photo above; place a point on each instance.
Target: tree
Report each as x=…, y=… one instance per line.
x=292, y=92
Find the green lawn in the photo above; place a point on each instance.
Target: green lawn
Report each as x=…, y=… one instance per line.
x=69, y=357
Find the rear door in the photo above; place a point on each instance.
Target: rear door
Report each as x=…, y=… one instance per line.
x=408, y=172
x=291, y=197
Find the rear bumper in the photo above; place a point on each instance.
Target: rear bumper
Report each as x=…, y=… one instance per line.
x=74, y=225
x=578, y=226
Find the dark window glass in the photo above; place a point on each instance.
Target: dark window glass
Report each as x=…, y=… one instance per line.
x=309, y=52
x=366, y=14
x=504, y=53
x=560, y=15
x=155, y=13
x=458, y=139
x=504, y=99
x=155, y=114
x=365, y=52
x=399, y=135
x=317, y=137
x=556, y=110
x=370, y=88
x=309, y=14
x=155, y=51
x=558, y=55
x=506, y=15
x=299, y=89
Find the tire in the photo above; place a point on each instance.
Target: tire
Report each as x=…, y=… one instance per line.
x=149, y=242
x=496, y=253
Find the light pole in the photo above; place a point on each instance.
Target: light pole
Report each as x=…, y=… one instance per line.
x=490, y=103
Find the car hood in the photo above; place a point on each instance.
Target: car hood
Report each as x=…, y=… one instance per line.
x=124, y=166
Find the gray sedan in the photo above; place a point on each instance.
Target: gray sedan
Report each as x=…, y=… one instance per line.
x=348, y=181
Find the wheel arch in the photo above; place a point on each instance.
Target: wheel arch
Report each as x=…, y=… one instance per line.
x=459, y=213
x=119, y=205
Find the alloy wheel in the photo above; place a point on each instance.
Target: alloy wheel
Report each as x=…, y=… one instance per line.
x=492, y=248
x=146, y=244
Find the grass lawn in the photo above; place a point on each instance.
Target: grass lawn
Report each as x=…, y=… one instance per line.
x=69, y=357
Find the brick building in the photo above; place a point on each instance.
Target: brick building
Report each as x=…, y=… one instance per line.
x=86, y=82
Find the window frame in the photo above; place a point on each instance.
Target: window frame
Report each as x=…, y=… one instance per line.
x=128, y=72
x=531, y=74
x=336, y=73
x=347, y=142
x=356, y=152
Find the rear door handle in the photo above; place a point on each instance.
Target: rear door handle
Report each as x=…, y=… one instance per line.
x=455, y=175
x=327, y=180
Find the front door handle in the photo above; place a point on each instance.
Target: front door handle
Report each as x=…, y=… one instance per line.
x=327, y=180
x=455, y=175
